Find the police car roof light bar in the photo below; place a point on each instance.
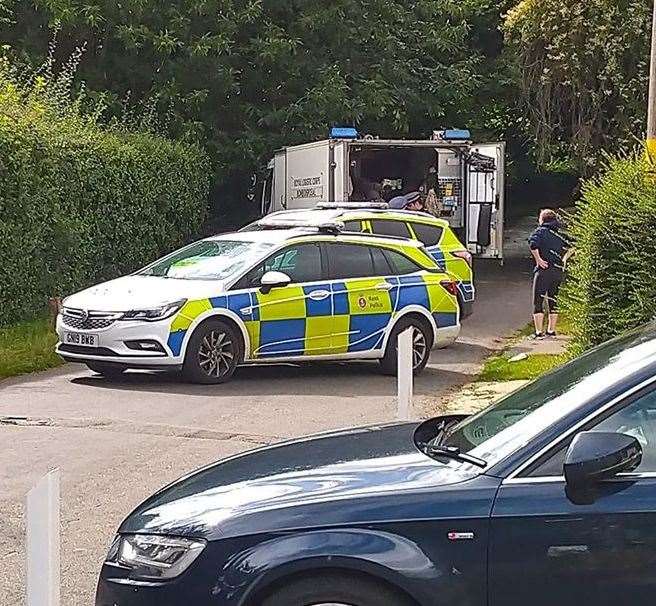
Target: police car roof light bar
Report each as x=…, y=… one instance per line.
x=327, y=226
x=352, y=205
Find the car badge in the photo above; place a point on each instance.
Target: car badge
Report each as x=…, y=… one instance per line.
x=461, y=536
x=84, y=315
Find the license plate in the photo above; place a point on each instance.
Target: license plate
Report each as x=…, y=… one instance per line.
x=80, y=338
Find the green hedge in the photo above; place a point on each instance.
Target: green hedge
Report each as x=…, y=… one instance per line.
x=611, y=283
x=80, y=202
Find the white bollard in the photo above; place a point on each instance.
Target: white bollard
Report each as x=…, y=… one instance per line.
x=43, y=542
x=405, y=375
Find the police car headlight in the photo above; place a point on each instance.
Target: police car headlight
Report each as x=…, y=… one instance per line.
x=155, y=557
x=157, y=313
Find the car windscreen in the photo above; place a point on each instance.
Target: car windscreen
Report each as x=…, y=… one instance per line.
x=208, y=260
x=508, y=423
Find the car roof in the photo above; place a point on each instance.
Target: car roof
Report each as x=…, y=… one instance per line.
x=345, y=214
x=279, y=236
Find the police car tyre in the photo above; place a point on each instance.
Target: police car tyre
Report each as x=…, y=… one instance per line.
x=213, y=353
x=335, y=590
x=422, y=343
x=106, y=369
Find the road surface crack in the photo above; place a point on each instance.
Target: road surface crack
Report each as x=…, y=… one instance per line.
x=174, y=431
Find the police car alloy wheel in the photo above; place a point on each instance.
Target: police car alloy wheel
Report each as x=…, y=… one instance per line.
x=213, y=353
x=422, y=342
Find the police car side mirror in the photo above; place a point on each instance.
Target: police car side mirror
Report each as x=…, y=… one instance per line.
x=273, y=279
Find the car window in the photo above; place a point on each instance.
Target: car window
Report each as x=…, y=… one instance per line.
x=381, y=264
x=353, y=226
x=429, y=235
x=401, y=265
x=302, y=263
x=207, y=260
x=387, y=227
x=637, y=419
x=350, y=261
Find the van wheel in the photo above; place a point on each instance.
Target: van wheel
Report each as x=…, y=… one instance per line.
x=111, y=371
x=213, y=353
x=422, y=343
x=335, y=590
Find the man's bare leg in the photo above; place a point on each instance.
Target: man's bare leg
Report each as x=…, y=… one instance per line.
x=538, y=321
x=553, y=320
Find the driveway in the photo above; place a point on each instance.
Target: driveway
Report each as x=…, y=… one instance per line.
x=116, y=442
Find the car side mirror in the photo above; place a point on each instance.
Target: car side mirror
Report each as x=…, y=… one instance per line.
x=273, y=279
x=594, y=456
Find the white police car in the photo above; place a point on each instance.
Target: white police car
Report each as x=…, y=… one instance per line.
x=285, y=294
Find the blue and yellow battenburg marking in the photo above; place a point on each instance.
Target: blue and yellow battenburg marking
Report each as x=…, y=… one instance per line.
x=325, y=318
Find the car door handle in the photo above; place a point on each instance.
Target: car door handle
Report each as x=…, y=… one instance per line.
x=384, y=286
x=319, y=295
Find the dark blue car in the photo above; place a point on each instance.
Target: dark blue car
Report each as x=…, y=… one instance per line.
x=546, y=498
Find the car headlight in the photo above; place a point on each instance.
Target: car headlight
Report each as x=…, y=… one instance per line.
x=154, y=557
x=157, y=313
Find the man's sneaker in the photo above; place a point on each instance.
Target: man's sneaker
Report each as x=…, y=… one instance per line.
x=538, y=335
x=551, y=333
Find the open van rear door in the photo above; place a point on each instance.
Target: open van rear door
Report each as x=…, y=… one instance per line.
x=485, y=200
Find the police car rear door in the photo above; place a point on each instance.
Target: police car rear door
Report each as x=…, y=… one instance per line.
x=362, y=297
x=485, y=200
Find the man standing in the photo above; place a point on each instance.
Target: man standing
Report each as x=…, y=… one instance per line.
x=550, y=251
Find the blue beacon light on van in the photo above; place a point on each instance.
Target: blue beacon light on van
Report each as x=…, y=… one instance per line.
x=343, y=132
x=456, y=134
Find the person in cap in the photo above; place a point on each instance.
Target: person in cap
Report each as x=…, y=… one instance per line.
x=411, y=201
x=415, y=201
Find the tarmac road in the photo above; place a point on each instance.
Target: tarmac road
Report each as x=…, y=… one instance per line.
x=117, y=442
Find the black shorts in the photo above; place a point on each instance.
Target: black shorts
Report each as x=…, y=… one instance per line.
x=546, y=284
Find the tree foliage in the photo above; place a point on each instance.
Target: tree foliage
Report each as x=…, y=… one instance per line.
x=248, y=76
x=583, y=69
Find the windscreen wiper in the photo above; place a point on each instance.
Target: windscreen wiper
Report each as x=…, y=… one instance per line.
x=453, y=452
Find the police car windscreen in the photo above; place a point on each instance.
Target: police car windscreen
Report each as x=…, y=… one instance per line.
x=208, y=260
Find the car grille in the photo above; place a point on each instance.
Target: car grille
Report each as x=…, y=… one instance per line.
x=88, y=351
x=92, y=320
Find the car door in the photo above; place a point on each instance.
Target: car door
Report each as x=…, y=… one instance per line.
x=485, y=200
x=362, y=296
x=294, y=320
x=551, y=545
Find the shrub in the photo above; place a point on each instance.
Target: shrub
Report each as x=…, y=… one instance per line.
x=81, y=202
x=611, y=285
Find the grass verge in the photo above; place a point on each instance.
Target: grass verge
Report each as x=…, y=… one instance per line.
x=27, y=347
x=500, y=368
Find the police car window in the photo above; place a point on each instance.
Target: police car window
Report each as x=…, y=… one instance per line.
x=385, y=227
x=637, y=419
x=381, y=264
x=429, y=235
x=302, y=263
x=349, y=261
x=355, y=226
x=207, y=260
x=401, y=265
